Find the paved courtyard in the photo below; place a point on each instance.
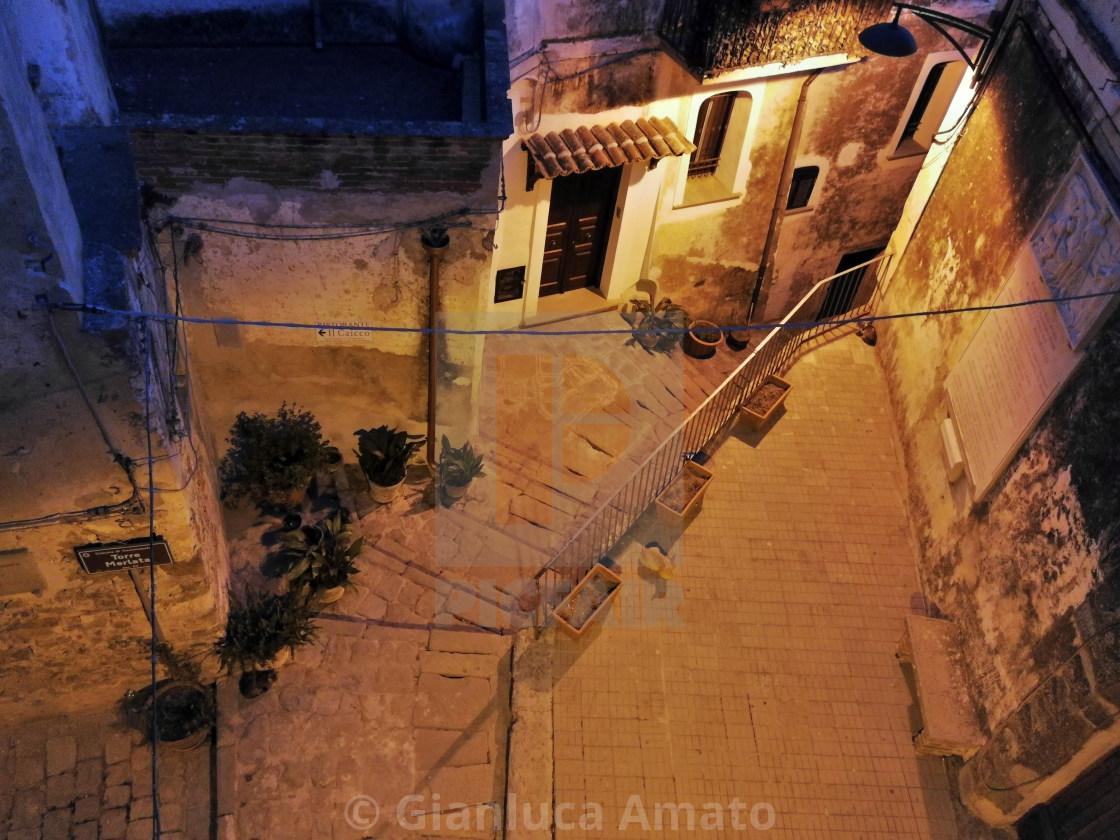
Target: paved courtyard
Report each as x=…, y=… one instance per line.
x=758, y=685
x=763, y=674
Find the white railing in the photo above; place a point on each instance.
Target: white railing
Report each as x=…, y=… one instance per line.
x=833, y=302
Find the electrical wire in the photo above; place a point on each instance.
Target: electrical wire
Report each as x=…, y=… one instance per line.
x=791, y=325
x=146, y=347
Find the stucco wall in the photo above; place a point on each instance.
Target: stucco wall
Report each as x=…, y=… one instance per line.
x=1019, y=574
x=61, y=40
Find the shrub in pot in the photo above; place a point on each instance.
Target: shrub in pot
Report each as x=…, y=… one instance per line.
x=458, y=466
x=272, y=459
x=321, y=566
x=181, y=709
x=383, y=455
x=262, y=630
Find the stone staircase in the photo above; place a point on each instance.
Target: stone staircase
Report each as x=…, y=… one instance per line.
x=564, y=423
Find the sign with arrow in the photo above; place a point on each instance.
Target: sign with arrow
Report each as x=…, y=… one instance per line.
x=346, y=332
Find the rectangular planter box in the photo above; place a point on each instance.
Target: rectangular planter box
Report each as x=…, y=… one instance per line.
x=673, y=517
x=754, y=420
x=564, y=612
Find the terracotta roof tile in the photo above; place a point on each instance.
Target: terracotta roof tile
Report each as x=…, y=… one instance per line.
x=587, y=148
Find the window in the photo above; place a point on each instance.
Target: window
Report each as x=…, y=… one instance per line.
x=717, y=170
x=929, y=107
x=711, y=130
x=801, y=187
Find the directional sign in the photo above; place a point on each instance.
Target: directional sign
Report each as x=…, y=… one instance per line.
x=122, y=556
x=334, y=332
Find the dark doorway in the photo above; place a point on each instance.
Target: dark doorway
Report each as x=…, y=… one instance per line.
x=1088, y=809
x=579, y=221
x=849, y=290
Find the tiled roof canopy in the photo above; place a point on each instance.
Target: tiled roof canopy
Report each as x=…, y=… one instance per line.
x=570, y=152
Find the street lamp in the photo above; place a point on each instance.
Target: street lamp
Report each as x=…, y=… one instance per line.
x=893, y=39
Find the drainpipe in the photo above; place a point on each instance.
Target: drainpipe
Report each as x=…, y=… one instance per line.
x=435, y=240
x=778, y=213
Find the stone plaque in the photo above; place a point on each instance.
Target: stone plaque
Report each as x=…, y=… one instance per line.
x=1077, y=245
x=1010, y=372
x=115, y=557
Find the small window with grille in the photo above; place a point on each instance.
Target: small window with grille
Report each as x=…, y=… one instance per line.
x=801, y=187
x=711, y=129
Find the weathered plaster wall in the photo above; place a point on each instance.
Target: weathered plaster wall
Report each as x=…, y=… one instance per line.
x=706, y=257
x=329, y=256
x=60, y=44
x=35, y=201
x=860, y=194
x=1014, y=573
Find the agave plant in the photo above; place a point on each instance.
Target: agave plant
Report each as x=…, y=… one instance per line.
x=657, y=327
x=383, y=453
x=458, y=465
x=323, y=557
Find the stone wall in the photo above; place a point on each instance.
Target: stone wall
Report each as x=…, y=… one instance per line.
x=173, y=162
x=1026, y=574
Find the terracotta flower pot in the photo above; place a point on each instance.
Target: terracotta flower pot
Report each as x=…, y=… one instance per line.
x=702, y=339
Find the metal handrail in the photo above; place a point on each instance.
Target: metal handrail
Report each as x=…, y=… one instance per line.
x=616, y=515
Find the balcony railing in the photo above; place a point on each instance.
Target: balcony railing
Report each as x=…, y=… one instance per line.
x=857, y=291
x=712, y=36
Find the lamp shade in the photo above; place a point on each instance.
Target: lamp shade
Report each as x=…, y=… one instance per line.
x=891, y=39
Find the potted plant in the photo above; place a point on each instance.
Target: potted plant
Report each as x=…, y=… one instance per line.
x=321, y=566
x=383, y=455
x=458, y=466
x=757, y=409
x=702, y=339
x=272, y=459
x=262, y=631
x=587, y=602
x=657, y=327
x=684, y=493
x=178, y=708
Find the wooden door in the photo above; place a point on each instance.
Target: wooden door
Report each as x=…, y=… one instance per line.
x=579, y=222
x=1088, y=809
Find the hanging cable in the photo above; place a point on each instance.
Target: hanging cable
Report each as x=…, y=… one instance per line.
x=145, y=344
x=791, y=325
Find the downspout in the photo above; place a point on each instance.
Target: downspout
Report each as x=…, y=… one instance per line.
x=778, y=213
x=435, y=240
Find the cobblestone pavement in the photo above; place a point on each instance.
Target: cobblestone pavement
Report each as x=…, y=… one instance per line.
x=373, y=731
x=764, y=672
x=89, y=778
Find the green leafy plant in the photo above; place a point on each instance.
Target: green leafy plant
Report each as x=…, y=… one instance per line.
x=383, y=453
x=657, y=327
x=261, y=626
x=458, y=465
x=270, y=458
x=323, y=562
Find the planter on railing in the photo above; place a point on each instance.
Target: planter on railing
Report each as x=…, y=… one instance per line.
x=587, y=603
x=684, y=495
x=760, y=406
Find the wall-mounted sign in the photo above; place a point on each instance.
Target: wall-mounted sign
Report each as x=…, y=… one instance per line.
x=509, y=284
x=334, y=332
x=132, y=554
